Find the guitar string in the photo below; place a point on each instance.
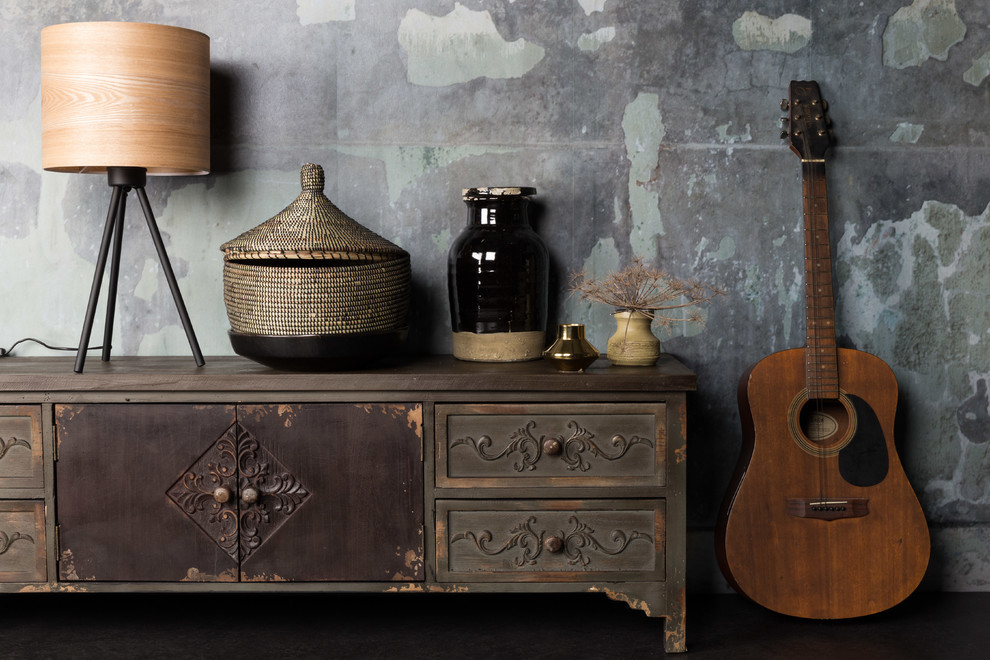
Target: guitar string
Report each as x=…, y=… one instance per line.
x=826, y=382
x=819, y=235
x=814, y=339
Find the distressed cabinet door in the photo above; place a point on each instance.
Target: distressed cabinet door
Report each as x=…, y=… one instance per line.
x=117, y=464
x=360, y=466
x=307, y=492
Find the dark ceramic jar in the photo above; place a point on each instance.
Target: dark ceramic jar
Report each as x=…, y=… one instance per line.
x=497, y=273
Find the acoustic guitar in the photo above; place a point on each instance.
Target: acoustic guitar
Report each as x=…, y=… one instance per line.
x=820, y=520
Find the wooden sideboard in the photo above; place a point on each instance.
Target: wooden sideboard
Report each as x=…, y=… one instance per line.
x=417, y=475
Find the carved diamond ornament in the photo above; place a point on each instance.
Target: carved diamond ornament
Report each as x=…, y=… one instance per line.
x=238, y=493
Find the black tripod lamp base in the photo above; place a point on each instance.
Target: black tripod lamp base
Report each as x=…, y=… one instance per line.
x=122, y=180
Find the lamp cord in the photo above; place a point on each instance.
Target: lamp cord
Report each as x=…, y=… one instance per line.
x=6, y=352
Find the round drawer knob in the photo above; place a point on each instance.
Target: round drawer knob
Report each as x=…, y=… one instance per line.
x=249, y=495
x=552, y=446
x=553, y=544
x=221, y=494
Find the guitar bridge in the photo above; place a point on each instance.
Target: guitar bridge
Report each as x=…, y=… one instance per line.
x=828, y=509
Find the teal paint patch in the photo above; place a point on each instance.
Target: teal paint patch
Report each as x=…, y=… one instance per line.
x=314, y=12
x=976, y=74
x=914, y=292
x=404, y=165
x=592, y=41
x=591, y=6
x=752, y=289
x=644, y=130
x=726, y=249
x=924, y=29
x=726, y=137
x=907, y=133
x=461, y=46
x=603, y=259
x=442, y=241
x=789, y=291
x=787, y=34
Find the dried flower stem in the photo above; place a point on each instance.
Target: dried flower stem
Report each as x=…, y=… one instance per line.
x=650, y=291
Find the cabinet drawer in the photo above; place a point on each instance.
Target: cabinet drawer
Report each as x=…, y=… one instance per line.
x=22, y=542
x=504, y=445
x=20, y=447
x=550, y=540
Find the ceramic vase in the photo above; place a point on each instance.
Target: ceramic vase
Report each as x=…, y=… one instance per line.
x=497, y=277
x=633, y=343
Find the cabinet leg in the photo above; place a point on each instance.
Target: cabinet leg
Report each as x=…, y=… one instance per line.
x=674, y=634
x=654, y=603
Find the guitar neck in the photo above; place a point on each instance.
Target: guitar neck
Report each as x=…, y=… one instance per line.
x=822, y=367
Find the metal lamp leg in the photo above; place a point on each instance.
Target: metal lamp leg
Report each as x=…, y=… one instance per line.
x=94, y=292
x=118, y=236
x=170, y=277
x=122, y=180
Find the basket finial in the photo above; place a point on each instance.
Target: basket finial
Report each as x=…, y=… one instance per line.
x=311, y=177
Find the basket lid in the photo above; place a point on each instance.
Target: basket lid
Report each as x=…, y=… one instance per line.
x=311, y=227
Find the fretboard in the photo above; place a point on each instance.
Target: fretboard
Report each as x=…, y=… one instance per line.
x=822, y=367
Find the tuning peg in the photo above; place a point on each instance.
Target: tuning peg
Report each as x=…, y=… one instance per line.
x=824, y=105
x=784, y=135
x=784, y=104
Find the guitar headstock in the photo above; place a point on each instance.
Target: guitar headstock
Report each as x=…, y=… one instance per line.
x=807, y=123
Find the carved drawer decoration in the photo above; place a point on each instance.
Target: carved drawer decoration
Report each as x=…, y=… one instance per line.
x=509, y=446
x=238, y=493
x=550, y=540
x=22, y=542
x=21, y=463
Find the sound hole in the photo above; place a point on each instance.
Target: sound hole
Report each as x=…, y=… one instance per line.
x=822, y=426
x=822, y=420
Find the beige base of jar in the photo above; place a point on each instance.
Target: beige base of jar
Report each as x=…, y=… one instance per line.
x=499, y=346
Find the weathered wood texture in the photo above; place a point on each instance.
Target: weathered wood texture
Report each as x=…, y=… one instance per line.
x=362, y=467
x=502, y=445
x=812, y=567
x=340, y=492
x=161, y=476
x=525, y=540
x=116, y=463
x=21, y=464
x=435, y=373
x=22, y=542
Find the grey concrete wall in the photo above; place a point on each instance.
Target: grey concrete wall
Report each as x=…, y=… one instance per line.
x=649, y=128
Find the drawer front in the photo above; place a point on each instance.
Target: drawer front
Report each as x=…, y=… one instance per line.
x=22, y=542
x=21, y=464
x=513, y=446
x=550, y=540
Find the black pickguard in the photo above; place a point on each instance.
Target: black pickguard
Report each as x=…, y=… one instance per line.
x=864, y=461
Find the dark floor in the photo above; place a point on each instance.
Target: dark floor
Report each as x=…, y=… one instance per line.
x=265, y=626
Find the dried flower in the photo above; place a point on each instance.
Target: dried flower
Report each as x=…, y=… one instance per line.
x=651, y=291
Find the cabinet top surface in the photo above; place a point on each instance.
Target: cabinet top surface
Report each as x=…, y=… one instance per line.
x=432, y=373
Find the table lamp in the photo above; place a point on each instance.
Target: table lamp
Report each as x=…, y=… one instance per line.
x=127, y=100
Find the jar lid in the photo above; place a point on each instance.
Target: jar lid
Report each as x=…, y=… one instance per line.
x=311, y=227
x=498, y=191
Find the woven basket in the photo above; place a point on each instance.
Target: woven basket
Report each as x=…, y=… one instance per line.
x=311, y=270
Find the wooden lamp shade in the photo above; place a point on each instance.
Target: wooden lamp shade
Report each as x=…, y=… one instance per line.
x=126, y=100
x=117, y=94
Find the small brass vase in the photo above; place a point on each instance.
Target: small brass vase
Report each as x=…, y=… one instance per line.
x=571, y=351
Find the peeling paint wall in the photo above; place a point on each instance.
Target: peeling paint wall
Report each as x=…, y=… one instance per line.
x=648, y=128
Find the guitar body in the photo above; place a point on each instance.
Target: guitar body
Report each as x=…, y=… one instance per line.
x=820, y=520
